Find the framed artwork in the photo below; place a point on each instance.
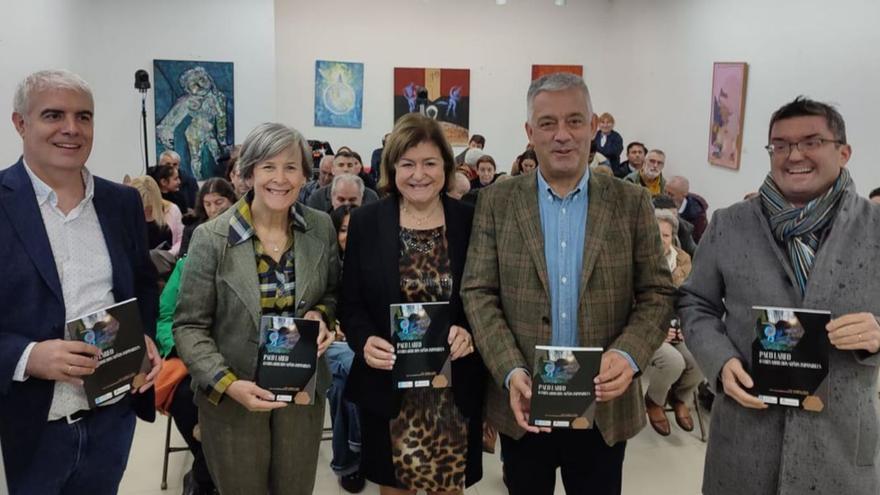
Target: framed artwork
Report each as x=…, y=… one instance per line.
x=195, y=116
x=339, y=94
x=442, y=94
x=728, y=110
x=543, y=70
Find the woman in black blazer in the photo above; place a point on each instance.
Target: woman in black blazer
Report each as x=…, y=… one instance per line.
x=410, y=247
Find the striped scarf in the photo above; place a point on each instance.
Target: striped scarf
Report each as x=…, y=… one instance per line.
x=800, y=228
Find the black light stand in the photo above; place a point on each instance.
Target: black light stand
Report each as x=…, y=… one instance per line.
x=142, y=84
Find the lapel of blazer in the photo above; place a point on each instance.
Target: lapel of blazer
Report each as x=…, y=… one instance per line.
x=528, y=216
x=20, y=201
x=598, y=216
x=238, y=269
x=387, y=244
x=308, y=253
x=113, y=229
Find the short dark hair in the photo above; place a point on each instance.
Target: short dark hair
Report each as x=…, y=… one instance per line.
x=636, y=143
x=162, y=172
x=339, y=214
x=663, y=202
x=411, y=130
x=805, y=107
x=216, y=185
x=874, y=193
x=479, y=139
x=488, y=159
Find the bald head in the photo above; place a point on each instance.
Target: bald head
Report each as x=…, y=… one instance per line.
x=678, y=187
x=460, y=187
x=325, y=170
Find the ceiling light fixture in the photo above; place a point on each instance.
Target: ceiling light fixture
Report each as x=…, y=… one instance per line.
x=500, y=2
x=559, y=3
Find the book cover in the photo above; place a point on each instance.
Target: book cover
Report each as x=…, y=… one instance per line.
x=563, y=392
x=419, y=334
x=790, y=357
x=288, y=358
x=118, y=332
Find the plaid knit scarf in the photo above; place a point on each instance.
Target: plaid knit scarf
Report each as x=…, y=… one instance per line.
x=800, y=228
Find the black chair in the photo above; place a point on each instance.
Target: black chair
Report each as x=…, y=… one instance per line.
x=168, y=451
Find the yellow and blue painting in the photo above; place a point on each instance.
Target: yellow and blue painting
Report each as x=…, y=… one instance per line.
x=339, y=94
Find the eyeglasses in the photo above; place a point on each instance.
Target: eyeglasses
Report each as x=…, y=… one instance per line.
x=783, y=148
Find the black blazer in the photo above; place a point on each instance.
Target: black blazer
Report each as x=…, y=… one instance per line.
x=33, y=304
x=371, y=282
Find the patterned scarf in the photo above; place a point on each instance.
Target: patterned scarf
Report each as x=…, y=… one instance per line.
x=800, y=228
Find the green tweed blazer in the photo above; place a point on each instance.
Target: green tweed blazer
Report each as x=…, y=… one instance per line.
x=216, y=325
x=625, y=300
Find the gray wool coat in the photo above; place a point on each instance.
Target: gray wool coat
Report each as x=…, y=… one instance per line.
x=780, y=450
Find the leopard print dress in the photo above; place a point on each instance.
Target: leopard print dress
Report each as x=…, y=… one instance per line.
x=429, y=435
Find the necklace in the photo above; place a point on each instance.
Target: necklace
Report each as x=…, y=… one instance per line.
x=419, y=221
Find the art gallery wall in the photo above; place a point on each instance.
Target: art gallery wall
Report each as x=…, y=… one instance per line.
x=106, y=41
x=647, y=62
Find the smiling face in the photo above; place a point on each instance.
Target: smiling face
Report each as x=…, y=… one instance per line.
x=560, y=129
x=419, y=174
x=171, y=184
x=277, y=180
x=57, y=130
x=802, y=177
x=606, y=126
x=486, y=172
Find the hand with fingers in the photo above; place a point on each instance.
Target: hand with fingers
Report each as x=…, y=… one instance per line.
x=253, y=397
x=62, y=360
x=325, y=336
x=615, y=376
x=520, y=385
x=155, y=365
x=379, y=353
x=855, y=331
x=733, y=378
x=461, y=343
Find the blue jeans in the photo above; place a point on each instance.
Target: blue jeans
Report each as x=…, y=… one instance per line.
x=88, y=456
x=343, y=414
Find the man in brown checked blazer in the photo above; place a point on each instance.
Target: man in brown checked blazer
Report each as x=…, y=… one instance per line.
x=565, y=257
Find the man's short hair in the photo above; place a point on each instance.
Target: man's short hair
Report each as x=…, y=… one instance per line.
x=805, y=107
x=170, y=154
x=640, y=145
x=686, y=184
x=658, y=151
x=663, y=202
x=874, y=193
x=268, y=140
x=347, y=178
x=479, y=139
x=44, y=80
x=559, y=81
x=343, y=154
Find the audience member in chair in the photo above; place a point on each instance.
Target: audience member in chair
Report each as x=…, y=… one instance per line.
x=346, y=190
x=650, y=176
x=265, y=256
x=525, y=163
x=410, y=247
x=344, y=162
x=672, y=372
x=214, y=197
x=609, y=142
x=691, y=207
x=188, y=185
x=635, y=158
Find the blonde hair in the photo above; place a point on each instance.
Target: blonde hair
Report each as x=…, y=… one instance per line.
x=151, y=197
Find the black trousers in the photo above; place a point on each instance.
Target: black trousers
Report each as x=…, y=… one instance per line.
x=588, y=464
x=186, y=415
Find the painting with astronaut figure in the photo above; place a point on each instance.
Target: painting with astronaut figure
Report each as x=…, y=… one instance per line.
x=339, y=94
x=728, y=110
x=442, y=94
x=195, y=113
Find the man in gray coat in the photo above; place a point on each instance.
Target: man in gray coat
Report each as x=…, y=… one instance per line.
x=806, y=241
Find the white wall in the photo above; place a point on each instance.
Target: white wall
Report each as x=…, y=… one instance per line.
x=106, y=41
x=648, y=62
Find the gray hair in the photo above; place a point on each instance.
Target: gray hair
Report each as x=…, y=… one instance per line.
x=268, y=140
x=472, y=155
x=44, y=80
x=668, y=216
x=170, y=154
x=559, y=81
x=347, y=178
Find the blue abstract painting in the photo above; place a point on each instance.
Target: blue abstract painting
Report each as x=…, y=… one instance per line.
x=339, y=94
x=195, y=114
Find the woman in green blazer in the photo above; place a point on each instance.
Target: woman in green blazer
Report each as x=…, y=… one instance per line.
x=267, y=255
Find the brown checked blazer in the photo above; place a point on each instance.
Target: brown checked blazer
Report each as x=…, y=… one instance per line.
x=625, y=289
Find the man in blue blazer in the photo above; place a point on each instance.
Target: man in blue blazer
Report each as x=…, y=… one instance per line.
x=72, y=243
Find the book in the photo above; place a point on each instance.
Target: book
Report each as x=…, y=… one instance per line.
x=118, y=332
x=790, y=357
x=419, y=334
x=563, y=392
x=288, y=358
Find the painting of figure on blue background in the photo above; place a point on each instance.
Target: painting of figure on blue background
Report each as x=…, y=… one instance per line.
x=339, y=94
x=195, y=114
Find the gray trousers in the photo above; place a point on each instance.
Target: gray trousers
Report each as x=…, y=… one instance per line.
x=672, y=367
x=261, y=452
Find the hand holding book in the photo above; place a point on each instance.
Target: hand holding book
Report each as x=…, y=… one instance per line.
x=733, y=378
x=855, y=331
x=62, y=360
x=252, y=397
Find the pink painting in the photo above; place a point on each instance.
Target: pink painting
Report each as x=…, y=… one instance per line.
x=726, y=118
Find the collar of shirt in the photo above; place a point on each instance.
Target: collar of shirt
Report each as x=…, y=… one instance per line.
x=581, y=185
x=684, y=204
x=44, y=192
x=241, y=224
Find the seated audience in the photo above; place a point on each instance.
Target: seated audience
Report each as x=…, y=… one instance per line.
x=691, y=207
x=595, y=158
x=476, y=142
x=460, y=186
x=253, y=443
x=168, y=179
x=240, y=185
x=164, y=221
x=213, y=198
x=410, y=247
x=685, y=229
x=325, y=176
x=369, y=182
x=485, y=172
x=673, y=374
x=344, y=162
x=525, y=163
x=650, y=175
x=188, y=184
x=469, y=166
x=608, y=141
x=635, y=158
x=376, y=160
x=346, y=189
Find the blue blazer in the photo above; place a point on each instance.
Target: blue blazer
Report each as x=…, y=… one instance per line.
x=32, y=304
